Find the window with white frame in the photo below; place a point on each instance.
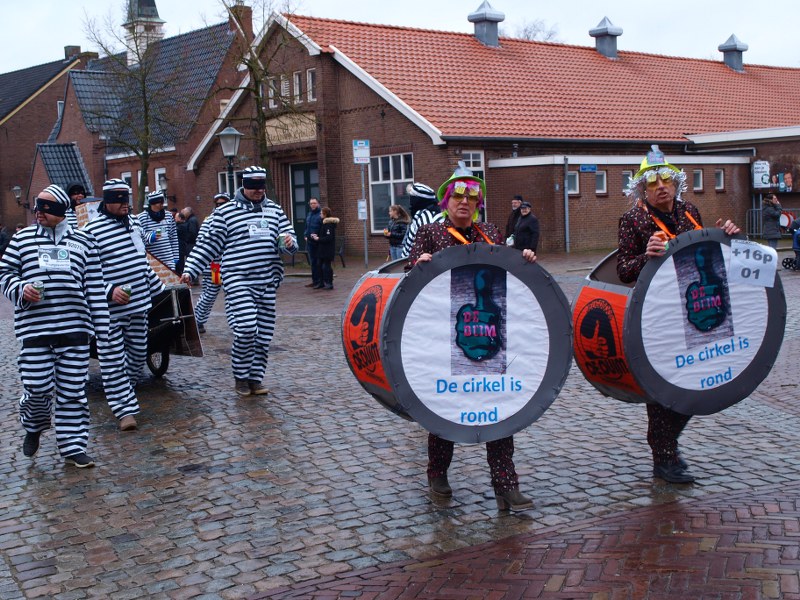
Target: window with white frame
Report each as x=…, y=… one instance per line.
x=311, y=85
x=222, y=183
x=573, y=183
x=626, y=180
x=697, y=180
x=127, y=177
x=601, y=182
x=473, y=160
x=272, y=92
x=297, y=92
x=388, y=177
x=285, y=93
x=719, y=179
x=159, y=174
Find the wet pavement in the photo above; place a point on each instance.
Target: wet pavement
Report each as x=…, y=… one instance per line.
x=316, y=491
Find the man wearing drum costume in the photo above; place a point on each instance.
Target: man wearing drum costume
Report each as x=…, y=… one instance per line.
x=249, y=233
x=658, y=214
x=462, y=197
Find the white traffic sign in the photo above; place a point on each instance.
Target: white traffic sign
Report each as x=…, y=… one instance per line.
x=361, y=152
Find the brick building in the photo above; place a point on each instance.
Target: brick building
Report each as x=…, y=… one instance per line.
x=563, y=125
x=30, y=101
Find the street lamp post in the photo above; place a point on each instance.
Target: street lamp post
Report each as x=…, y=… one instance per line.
x=229, y=139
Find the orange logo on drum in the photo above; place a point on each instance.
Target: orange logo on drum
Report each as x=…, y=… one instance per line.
x=361, y=330
x=598, y=339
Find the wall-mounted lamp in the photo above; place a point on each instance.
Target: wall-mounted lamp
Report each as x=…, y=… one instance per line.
x=514, y=152
x=383, y=114
x=17, y=191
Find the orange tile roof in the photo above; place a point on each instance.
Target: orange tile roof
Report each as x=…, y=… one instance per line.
x=527, y=89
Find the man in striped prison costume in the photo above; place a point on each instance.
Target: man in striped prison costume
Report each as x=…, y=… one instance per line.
x=160, y=232
x=248, y=233
x=424, y=209
x=54, y=323
x=120, y=243
x=210, y=289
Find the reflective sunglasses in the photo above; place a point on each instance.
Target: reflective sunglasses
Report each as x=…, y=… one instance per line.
x=665, y=174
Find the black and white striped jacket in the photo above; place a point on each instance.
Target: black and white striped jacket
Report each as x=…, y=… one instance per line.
x=422, y=217
x=245, y=236
x=205, y=226
x=165, y=248
x=74, y=298
x=124, y=262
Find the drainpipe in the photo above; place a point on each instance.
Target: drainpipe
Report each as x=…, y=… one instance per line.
x=566, y=205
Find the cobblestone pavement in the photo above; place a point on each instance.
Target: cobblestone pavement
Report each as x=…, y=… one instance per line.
x=315, y=491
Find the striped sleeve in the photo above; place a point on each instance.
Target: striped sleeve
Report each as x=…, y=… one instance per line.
x=123, y=263
x=423, y=217
x=74, y=295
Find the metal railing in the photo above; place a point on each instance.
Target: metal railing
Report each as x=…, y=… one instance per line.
x=754, y=223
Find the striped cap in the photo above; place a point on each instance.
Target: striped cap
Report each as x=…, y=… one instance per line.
x=157, y=196
x=254, y=173
x=116, y=191
x=59, y=194
x=221, y=197
x=422, y=191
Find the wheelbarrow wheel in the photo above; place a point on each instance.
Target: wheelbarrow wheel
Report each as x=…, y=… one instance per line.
x=788, y=264
x=158, y=362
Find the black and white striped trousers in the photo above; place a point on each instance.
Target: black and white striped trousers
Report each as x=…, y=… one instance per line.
x=207, y=298
x=251, y=316
x=53, y=370
x=117, y=383
x=133, y=328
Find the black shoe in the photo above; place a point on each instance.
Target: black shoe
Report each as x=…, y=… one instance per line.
x=201, y=328
x=318, y=286
x=328, y=287
x=673, y=473
x=512, y=500
x=31, y=443
x=80, y=460
x=440, y=487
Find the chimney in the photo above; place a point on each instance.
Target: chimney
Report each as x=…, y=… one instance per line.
x=71, y=52
x=241, y=16
x=486, y=19
x=732, y=51
x=605, y=38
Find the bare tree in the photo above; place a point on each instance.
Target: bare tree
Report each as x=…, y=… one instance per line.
x=274, y=116
x=537, y=30
x=137, y=93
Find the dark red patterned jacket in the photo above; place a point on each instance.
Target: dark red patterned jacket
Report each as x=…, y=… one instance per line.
x=434, y=237
x=635, y=229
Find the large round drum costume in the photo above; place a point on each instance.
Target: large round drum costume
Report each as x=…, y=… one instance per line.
x=696, y=333
x=474, y=345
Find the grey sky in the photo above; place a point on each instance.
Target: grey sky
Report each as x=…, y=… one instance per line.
x=36, y=32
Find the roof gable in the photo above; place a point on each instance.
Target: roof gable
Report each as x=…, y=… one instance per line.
x=17, y=86
x=541, y=90
x=64, y=165
x=181, y=75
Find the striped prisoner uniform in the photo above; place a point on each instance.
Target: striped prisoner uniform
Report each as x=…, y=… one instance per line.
x=121, y=247
x=54, y=332
x=423, y=217
x=246, y=236
x=72, y=218
x=210, y=290
x=165, y=246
